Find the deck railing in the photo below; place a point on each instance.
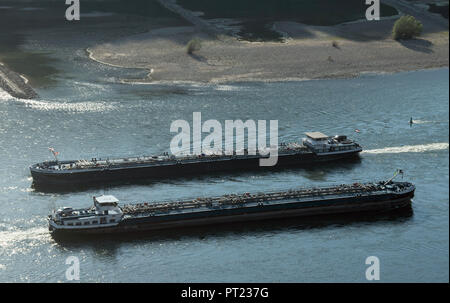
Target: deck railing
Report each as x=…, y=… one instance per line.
x=247, y=198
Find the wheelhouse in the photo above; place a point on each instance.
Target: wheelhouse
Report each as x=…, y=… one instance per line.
x=105, y=213
x=321, y=144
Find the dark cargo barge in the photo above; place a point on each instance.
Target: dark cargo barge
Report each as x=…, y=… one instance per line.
x=106, y=216
x=315, y=148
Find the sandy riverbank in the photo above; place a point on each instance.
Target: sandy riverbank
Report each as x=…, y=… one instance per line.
x=157, y=43
x=308, y=52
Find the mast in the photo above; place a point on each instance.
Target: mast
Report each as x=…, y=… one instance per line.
x=55, y=153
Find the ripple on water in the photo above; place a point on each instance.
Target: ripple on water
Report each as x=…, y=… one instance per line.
x=46, y=105
x=10, y=239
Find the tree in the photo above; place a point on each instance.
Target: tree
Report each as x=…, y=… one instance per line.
x=193, y=45
x=406, y=27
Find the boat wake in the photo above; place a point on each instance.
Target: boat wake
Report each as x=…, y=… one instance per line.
x=70, y=107
x=427, y=121
x=409, y=149
x=59, y=106
x=10, y=238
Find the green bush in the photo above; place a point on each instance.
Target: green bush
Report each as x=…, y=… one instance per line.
x=407, y=27
x=193, y=45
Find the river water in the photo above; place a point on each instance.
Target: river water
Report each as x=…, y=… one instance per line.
x=87, y=112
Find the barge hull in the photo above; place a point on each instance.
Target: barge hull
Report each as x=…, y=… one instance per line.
x=44, y=179
x=337, y=206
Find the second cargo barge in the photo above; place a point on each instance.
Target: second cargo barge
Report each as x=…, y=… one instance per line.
x=314, y=149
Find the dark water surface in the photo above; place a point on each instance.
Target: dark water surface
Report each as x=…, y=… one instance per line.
x=439, y=9
x=87, y=112
x=256, y=17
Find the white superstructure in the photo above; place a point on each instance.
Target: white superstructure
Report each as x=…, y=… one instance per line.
x=104, y=213
x=321, y=144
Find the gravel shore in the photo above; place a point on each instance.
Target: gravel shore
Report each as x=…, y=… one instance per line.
x=309, y=52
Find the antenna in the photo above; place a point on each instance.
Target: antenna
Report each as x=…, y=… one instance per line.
x=396, y=173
